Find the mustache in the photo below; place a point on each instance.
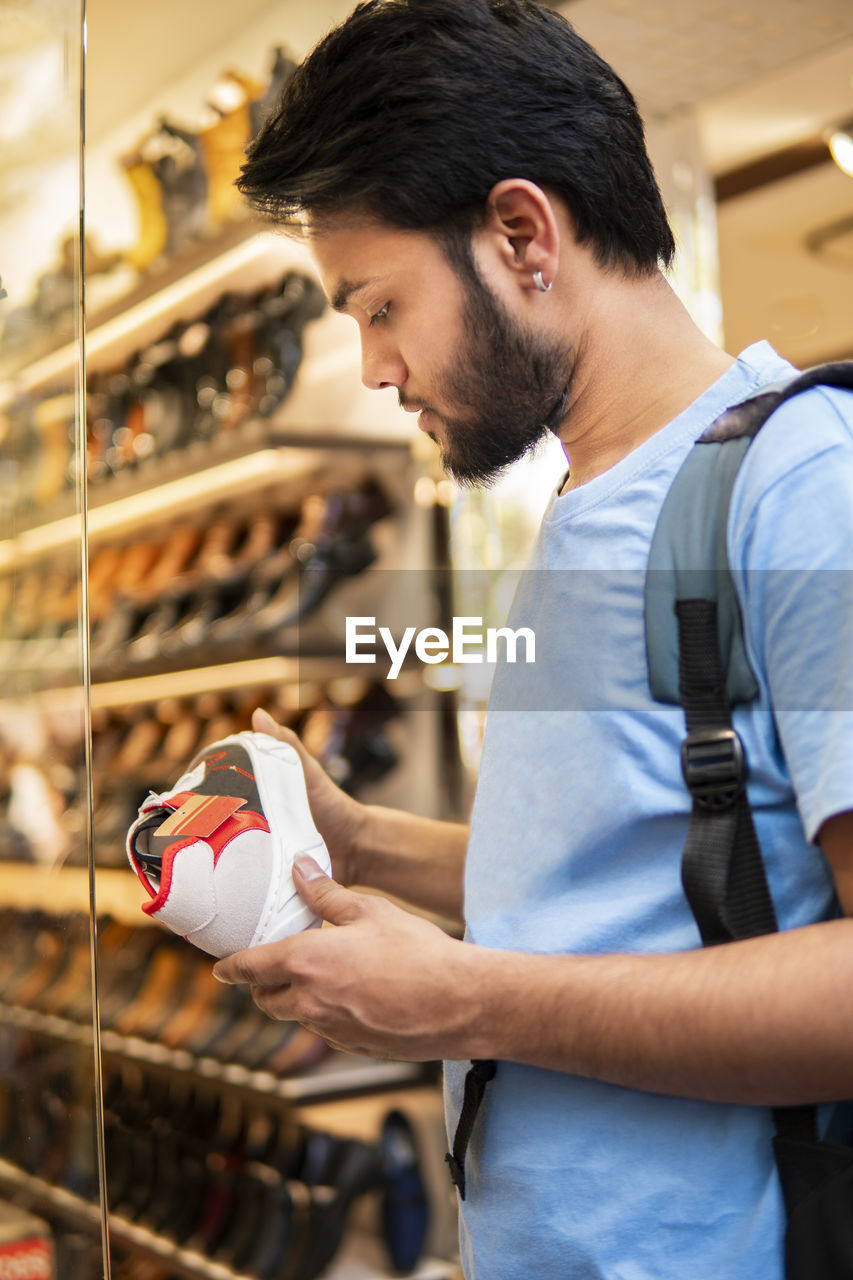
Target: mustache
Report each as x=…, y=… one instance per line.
x=411, y=405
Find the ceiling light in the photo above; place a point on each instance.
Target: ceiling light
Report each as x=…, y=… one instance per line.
x=841, y=148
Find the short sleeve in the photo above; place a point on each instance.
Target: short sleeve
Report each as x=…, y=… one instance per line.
x=791, y=552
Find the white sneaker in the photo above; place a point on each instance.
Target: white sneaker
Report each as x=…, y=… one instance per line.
x=215, y=854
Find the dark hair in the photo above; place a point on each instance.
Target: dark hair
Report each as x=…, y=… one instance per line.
x=411, y=110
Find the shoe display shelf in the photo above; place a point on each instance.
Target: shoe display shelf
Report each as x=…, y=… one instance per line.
x=205, y=266
x=360, y=1258
x=135, y=1007
x=191, y=1141
x=243, y=265
x=271, y=471
x=265, y=468
x=320, y=453
x=210, y=1168
x=248, y=497
x=243, y=261
x=158, y=1003
x=318, y=439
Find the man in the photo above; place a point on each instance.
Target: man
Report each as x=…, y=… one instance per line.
x=476, y=192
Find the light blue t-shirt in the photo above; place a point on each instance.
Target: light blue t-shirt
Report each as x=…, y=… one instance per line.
x=578, y=828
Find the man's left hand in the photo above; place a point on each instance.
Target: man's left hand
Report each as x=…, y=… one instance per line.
x=381, y=982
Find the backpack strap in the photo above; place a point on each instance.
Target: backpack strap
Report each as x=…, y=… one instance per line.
x=721, y=868
x=480, y=1072
x=688, y=558
x=722, y=871
x=697, y=657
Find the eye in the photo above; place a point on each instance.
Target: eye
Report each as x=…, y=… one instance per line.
x=381, y=314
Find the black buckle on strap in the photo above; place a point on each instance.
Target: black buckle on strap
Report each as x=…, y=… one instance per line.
x=714, y=767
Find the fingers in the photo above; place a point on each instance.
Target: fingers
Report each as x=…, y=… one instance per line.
x=264, y=966
x=267, y=965
x=323, y=894
x=262, y=722
x=265, y=970
x=275, y=1002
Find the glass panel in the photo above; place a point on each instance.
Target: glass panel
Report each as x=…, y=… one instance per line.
x=49, y=1087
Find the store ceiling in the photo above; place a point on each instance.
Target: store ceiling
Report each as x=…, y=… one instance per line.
x=676, y=54
x=766, y=80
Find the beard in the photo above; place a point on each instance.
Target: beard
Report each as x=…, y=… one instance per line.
x=511, y=386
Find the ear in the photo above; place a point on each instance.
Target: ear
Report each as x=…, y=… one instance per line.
x=522, y=227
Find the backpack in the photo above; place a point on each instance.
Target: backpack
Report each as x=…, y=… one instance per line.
x=697, y=659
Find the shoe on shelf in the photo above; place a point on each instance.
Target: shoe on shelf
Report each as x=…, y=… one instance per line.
x=405, y=1206
x=215, y=853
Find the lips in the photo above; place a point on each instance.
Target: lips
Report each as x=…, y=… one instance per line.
x=426, y=417
x=423, y=414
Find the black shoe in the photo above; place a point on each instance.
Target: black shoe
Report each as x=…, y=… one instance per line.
x=405, y=1211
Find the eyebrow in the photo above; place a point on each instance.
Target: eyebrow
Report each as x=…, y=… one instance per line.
x=346, y=289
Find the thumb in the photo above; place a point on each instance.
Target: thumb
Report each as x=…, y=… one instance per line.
x=262, y=722
x=323, y=894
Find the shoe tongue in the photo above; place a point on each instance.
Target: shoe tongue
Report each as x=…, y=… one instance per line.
x=187, y=814
x=152, y=820
x=145, y=842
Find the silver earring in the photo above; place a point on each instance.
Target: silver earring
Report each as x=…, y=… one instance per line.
x=540, y=283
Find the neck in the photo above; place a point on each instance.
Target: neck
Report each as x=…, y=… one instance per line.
x=640, y=362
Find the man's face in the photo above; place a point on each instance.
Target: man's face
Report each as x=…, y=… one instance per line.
x=487, y=389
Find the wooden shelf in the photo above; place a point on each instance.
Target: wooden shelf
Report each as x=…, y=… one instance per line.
x=177, y=486
x=245, y=257
x=227, y=676
x=189, y=682
x=63, y=890
x=340, y=1075
x=193, y=485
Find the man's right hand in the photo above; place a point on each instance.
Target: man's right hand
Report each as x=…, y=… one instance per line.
x=414, y=859
x=338, y=817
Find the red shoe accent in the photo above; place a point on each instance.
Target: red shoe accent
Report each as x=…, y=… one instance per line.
x=233, y=768
x=232, y=827
x=198, y=816
x=160, y=897
x=192, y=820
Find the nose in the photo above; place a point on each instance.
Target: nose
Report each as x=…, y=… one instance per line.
x=381, y=364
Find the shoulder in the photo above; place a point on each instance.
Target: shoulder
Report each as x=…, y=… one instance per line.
x=792, y=502
x=799, y=431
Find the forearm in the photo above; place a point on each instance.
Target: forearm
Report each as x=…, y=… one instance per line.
x=419, y=860
x=768, y=1021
